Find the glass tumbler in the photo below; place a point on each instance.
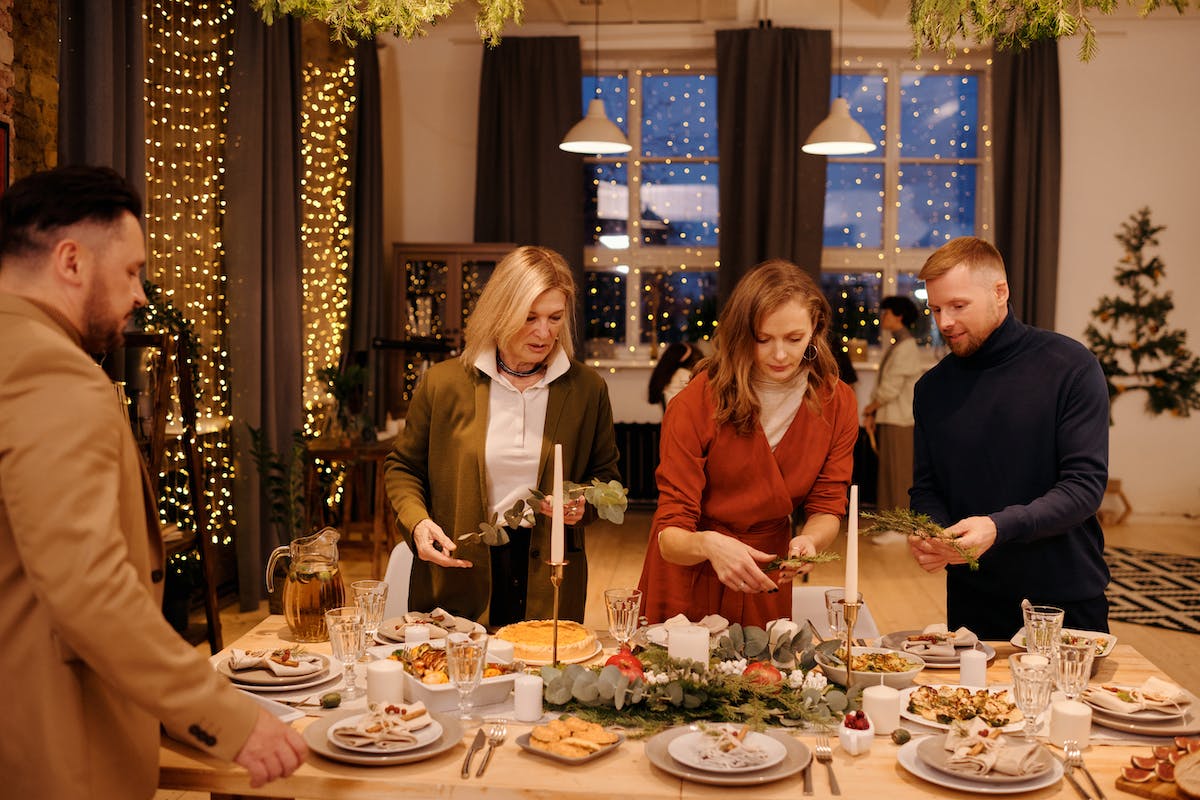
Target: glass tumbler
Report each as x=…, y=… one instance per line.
x=1043, y=627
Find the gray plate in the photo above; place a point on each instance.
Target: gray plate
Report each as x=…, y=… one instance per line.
x=523, y=743
x=798, y=757
x=1189, y=724
x=264, y=677
x=317, y=739
x=896, y=642
x=933, y=753
x=907, y=756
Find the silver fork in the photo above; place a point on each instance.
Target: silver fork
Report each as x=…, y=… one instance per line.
x=825, y=756
x=1075, y=759
x=497, y=730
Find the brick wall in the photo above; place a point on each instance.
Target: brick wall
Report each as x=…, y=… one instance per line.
x=6, y=68
x=29, y=82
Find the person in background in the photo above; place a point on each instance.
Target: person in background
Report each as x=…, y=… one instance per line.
x=673, y=371
x=1010, y=454
x=480, y=435
x=765, y=426
x=888, y=417
x=92, y=665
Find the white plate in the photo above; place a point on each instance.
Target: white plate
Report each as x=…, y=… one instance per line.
x=391, y=631
x=908, y=758
x=332, y=676
x=424, y=736
x=261, y=676
x=1144, y=715
x=932, y=752
x=895, y=641
x=1188, y=725
x=315, y=736
x=909, y=715
x=1110, y=641
x=798, y=757
x=686, y=750
x=577, y=659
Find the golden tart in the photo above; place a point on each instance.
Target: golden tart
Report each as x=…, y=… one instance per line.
x=533, y=640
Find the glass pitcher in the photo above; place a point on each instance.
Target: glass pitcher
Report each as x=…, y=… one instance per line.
x=314, y=583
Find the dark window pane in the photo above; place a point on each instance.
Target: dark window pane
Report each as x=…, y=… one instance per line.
x=678, y=306
x=853, y=205
x=679, y=115
x=854, y=298
x=939, y=115
x=605, y=304
x=614, y=91
x=937, y=203
x=679, y=204
x=867, y=97
x=607, y=203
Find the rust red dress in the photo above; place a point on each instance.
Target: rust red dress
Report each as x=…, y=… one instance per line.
x=710, y=478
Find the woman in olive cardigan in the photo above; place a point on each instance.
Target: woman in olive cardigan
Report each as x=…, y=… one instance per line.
x=479, y=433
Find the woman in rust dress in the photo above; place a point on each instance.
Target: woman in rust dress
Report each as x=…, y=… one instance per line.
x=765, y=427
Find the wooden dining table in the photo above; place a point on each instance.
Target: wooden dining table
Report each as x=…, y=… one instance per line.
x=625, y=773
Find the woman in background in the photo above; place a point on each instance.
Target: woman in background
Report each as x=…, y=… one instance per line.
x=889, y=415
x=479, y=435
x=673, y=371
x=764, y=427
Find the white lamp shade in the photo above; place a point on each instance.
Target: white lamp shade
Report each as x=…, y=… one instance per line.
x=595, y=134
x=839, y=134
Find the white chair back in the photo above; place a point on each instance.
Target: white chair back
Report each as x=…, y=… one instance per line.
x=399, y=568
x=808, y=603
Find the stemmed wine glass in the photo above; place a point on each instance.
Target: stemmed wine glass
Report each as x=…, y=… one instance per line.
x=370, y=597
x=345, y=626
x=1073, y=665
x=1033, y=678
x=624, y=607
x=466, y=654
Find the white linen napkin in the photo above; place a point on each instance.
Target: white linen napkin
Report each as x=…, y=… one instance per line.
x=1154, y=694
x=977, y=749
x=936, y=640
x=282, y=663
x=388, y=727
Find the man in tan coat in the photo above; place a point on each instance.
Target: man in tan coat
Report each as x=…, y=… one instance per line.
x=90, y=666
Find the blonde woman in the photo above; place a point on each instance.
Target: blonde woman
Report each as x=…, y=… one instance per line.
x=480, y=434
x=763, y=428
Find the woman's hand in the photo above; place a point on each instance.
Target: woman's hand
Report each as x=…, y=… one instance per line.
x=737, y=564
x=425, y=535
x=572, y=510
x=801, y=545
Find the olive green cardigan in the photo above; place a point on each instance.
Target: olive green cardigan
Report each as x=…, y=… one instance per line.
x=437, y=471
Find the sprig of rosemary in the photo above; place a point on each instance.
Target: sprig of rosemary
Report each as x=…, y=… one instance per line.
x=823, y=557
x=911, y=523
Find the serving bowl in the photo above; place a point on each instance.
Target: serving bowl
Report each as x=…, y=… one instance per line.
x=835, y=669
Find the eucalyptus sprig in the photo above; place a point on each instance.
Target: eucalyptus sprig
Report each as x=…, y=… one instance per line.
x=492, y=533
x=911, y=523
x=823, y=557
x=610, y=499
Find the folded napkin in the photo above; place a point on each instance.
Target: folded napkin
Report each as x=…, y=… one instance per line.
x=384, y=727
x=440, y=622
x=283, y=663
x=714, y=622
x=936, y=641
x=1154, y=694
x=977, y=748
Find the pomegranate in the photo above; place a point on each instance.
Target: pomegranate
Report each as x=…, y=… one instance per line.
x=763, y=673
x=628, y=663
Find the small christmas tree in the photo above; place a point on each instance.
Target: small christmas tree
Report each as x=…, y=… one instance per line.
x=1136, y=349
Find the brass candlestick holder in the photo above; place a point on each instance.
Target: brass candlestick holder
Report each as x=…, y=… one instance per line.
x=556, y=576
x=850, y=612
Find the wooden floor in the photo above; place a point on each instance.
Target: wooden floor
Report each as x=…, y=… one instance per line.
x=900, y=594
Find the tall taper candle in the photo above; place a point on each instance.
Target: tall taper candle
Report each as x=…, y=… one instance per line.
x=852, y=546
x=556, y=503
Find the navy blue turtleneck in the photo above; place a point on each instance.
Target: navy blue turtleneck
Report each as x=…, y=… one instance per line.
x=1018, y=431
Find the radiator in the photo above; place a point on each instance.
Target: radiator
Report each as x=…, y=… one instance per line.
x=638, y=443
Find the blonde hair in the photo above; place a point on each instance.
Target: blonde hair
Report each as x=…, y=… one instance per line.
x=980, y=258
x=760, y=292
x=517, y=282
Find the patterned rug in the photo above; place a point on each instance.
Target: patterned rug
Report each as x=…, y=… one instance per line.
x=1159, y=589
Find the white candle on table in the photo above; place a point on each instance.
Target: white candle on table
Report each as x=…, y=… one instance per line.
x=527, y=697
x=852, y=547
x=882, y=705
x=557, y=549
x=385, y=682
x=1070, y=719
x=972, y=668
x=688, y=642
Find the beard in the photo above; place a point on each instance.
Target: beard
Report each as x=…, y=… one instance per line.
x=102, y=331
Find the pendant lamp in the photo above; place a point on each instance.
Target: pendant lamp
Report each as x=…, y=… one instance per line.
x=839, y=134
x=595, y=134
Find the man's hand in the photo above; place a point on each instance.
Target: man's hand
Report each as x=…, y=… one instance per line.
x=975, y=534
x=425, y=535
x=737, y=563
x=273, y=750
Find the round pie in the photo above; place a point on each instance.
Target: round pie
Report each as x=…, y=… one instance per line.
x=533, y=640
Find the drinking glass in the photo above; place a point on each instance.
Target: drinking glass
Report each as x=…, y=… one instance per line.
x=466, y=654
x=1073, y=665
x=835, y=607
x=345, y=625
x=1043, y=627
x=624, y=606
x=370, y=597
x=1033, y=679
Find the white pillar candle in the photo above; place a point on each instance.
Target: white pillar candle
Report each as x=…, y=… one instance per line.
x=688, y=642
x=527, y=697
x=500, y=649
x=1070, y=719
x=557, y=549
x=882, y=705
x=972, y=668
x=852, y=546
x=385, y=682
x=415, y=635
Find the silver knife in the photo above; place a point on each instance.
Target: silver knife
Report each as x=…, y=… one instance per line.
x=808, y=778
x=476, y=745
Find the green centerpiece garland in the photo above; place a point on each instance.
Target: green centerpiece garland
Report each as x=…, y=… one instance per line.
x=910, y=523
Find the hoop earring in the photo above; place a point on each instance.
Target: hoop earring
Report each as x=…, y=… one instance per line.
x=810, y=353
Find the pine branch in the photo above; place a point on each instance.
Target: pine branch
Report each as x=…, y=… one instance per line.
x=910, y=523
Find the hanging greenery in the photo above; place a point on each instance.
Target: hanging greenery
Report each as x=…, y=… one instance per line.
x=1136, y=348
x=354, y=20
x=1013, y=24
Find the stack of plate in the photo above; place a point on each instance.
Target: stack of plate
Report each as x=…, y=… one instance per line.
x=263, y=680
x=676, y=752
x=439, y=736
x=895, y=641
x=926, y=759
x=1150, y=721
x=391, y=631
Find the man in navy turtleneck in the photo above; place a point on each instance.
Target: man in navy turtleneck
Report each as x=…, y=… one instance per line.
x=1011, y=454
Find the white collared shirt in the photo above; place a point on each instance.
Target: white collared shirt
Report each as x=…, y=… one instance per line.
x=516, y=424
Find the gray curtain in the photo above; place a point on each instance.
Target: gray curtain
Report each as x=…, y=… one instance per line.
x=1027, y=124
x=772, y=90
x=100, y=92
x=527, y=191
x=262, y=262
